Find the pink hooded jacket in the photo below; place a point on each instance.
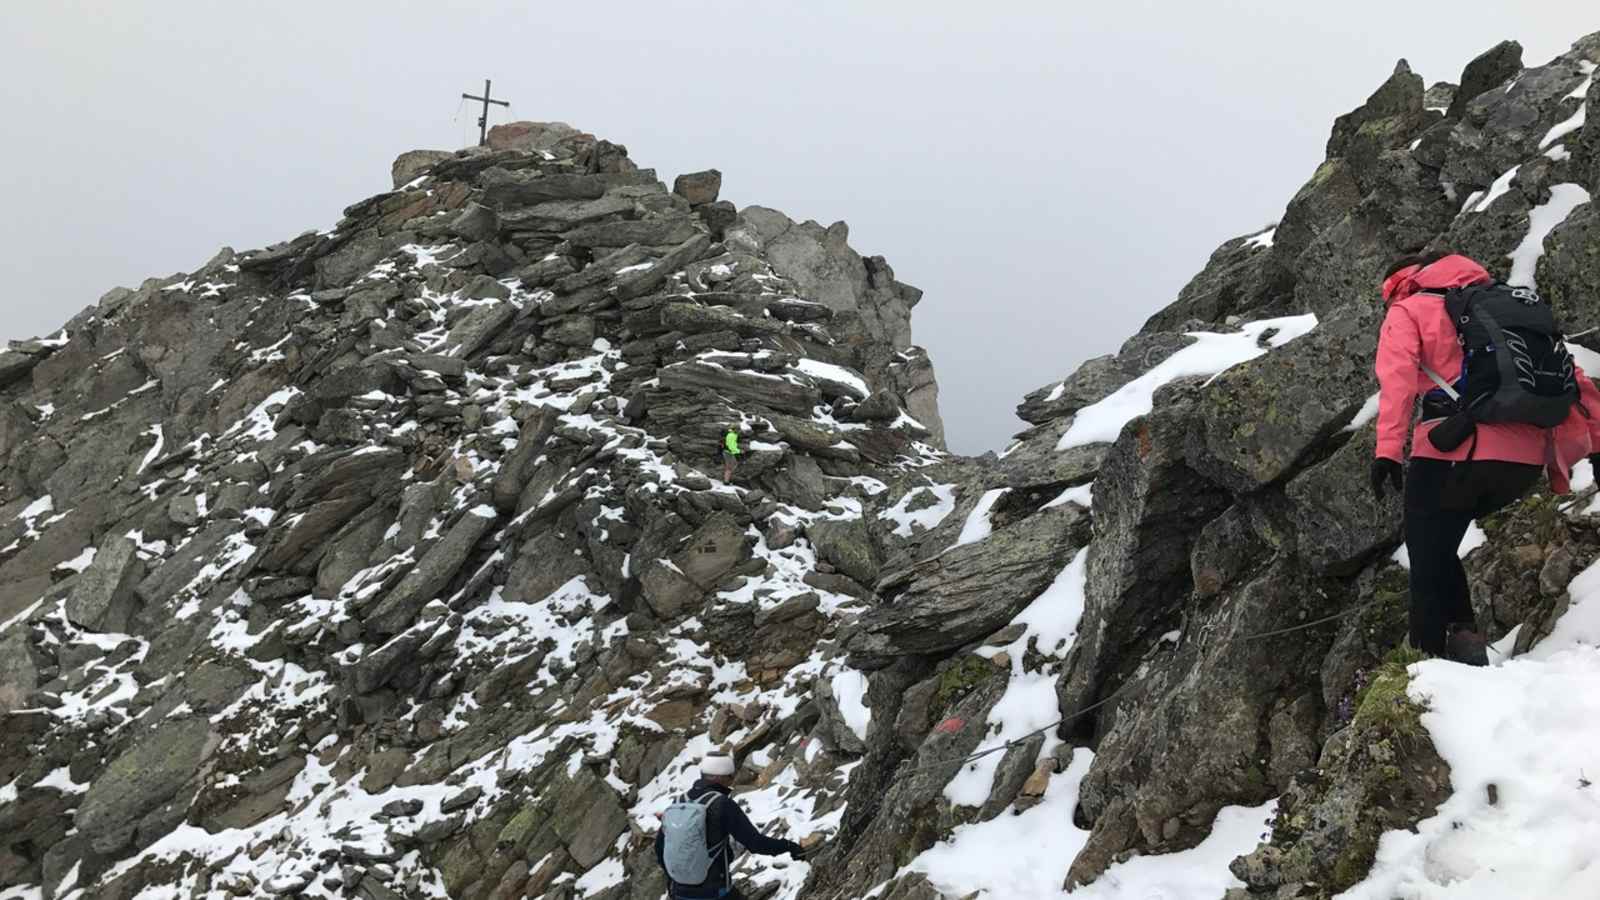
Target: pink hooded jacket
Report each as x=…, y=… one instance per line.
x=1418, y=332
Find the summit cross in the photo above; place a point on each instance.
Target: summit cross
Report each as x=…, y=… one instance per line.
x=483, y=120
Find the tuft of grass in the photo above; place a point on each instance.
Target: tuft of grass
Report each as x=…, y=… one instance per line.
x=1384, y=705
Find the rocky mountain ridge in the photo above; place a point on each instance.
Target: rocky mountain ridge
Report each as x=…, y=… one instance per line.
x=395, y=561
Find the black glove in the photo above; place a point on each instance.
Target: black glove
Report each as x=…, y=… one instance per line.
x=1386, y=469
x=1594, y=460
x=796, y=851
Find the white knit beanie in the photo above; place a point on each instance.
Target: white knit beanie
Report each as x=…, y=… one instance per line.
x=716, y=765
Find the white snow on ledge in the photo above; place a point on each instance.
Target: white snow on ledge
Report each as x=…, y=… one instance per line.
x=907, y=522
x=1543, y=219
x=850, y=691
x=977, y=527
x=1211, y=354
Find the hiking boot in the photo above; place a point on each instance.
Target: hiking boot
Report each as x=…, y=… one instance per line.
x=1465, y=644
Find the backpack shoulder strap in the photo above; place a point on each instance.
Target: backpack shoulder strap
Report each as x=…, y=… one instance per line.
x=1437, y=379
x=1456, y=301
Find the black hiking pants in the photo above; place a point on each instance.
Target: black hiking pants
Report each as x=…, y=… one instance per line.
x=1442, y=500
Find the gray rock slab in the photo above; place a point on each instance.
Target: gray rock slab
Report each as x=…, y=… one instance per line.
x=103, y=598
x=397, y=610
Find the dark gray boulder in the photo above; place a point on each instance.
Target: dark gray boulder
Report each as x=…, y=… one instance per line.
x=407, y=166
x=19, y=673
x=1339, y=521
x=103, y=598
x=478, y=328
x=672, y=586
x=1215, y=718
x=1149, y=507
x=1489, y=69
x=791, y=394
x=1256, y=421
x=698, y=187
x=14, y=366
x=140, y=779
x=514, y=191
x=847, y=545
x=433, y=572
x=967, y=592
x=1238, y=280
x=1569, y=271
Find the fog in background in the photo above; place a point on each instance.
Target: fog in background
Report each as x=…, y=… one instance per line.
x=1049, y=173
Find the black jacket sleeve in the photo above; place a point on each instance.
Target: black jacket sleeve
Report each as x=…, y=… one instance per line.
x=739, y=827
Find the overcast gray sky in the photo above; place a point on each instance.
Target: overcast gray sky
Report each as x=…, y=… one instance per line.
x=1050, y=173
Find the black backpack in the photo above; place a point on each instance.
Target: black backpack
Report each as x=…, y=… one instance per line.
x=1517, y=367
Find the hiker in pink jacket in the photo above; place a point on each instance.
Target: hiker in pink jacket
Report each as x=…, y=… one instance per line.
x=1494, y=464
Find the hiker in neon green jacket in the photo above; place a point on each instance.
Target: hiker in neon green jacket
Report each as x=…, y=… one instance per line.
x=730, y=453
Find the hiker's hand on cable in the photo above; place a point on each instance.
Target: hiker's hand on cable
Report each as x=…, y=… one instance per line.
x=797, y=851
x=1384, y=469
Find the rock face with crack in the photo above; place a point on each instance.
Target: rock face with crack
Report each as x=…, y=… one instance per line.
x=396, y=560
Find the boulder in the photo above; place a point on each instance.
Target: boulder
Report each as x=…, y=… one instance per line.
x=19, y=674
x=1238, y=280
x=1339, y=521
x=408, y=165
x=14, y=366
x=531, y=137
x=1255, y=422
x=1489, y=69
x=435, y=570
x=847, y=545
x=1149, y=507
x=475, y=223
x=142, y=778
x=967, y=592
x=655, y=232
x=698, y=187
x=1381, y=774
x=823, y=266
x=1217, y=719
x=672, y=585
x=513, y=193
x=514, y=470
x=790, y=394
x=1585, y=145
x=564, y=215
x=103, y=598
x=1500, y=129
x=1568, y=273
x=478, y=327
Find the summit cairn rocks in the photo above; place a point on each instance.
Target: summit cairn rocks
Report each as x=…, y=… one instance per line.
x=698, y=188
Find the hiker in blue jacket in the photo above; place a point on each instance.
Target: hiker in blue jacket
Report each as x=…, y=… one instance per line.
x=700, y=829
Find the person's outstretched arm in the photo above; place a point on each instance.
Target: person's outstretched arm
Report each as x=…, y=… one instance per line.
x=1399, y=360
x=741, y=829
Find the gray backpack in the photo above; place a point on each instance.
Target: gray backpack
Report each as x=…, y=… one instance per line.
x=685, y=827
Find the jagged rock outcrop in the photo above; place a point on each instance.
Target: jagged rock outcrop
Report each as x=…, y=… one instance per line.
x=376, y=520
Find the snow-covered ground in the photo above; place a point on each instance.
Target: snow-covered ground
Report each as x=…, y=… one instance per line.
x=1530, y=727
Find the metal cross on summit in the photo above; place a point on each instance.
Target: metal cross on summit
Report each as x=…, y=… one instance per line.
x=483, y=120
